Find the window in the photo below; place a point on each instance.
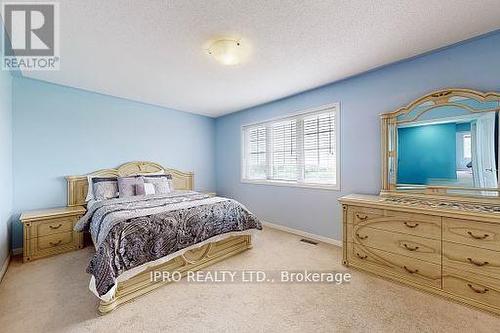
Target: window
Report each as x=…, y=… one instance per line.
x=467, y=153
x=299, y=150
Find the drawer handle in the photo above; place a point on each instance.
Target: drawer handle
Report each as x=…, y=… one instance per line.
x=361, y=257
x=362, y=218
x=477, y=263
x=361, y=237
x=411, y=225
x=409, y=248
x=410, y=270
x=55, y=227
x=56, y=243
x=477, y=290
x=476, y=236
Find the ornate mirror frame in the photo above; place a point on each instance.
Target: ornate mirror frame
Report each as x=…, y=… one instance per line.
x=389, y=123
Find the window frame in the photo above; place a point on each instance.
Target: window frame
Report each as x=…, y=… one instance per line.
x=293, y=183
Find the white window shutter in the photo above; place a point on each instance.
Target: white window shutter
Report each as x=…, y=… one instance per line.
x=284, y=148
x=320, y=156
x=255, y=153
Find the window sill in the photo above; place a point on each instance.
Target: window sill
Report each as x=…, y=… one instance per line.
x=292, y=184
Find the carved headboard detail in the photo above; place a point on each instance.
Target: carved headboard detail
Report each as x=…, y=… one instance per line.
x=78, y=185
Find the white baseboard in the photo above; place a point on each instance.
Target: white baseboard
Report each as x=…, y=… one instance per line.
x=303, y=234
x=4, y=267
x=17, y=251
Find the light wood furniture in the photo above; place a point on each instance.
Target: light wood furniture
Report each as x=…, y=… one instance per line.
x=50, y=231
x=78, y=185
x=192, y=260
x=439, y=239
x=452, y=252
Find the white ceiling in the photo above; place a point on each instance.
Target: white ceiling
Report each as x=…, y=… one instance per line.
x=152, y=51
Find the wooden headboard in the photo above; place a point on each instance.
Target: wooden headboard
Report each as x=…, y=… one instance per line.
x=78, y=185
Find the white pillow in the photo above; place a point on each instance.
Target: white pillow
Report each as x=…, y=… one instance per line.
x=149, y=189
x=90, y=191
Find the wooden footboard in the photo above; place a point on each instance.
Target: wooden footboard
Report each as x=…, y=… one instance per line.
x=192, y=260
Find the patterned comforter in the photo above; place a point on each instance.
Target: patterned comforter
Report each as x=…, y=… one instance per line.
x=129, y=232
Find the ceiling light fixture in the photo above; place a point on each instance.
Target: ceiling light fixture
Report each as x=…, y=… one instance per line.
x=228, y=52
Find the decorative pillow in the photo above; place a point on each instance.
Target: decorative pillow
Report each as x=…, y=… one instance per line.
x=144, y=189
x=139, y=189
x=162, y=183
x=105, y=189
x=92, y=180
x=127, y=186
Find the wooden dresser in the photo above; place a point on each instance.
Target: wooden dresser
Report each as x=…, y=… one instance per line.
x=50, y=231
x=448, y=248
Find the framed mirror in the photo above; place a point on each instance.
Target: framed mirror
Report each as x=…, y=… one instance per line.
x=446, y=142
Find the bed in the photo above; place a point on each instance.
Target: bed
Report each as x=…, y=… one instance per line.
x=137, y=237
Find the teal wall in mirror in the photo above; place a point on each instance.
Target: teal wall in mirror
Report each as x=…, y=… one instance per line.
x=426, y=152
x=459, y=152
x=444, y=141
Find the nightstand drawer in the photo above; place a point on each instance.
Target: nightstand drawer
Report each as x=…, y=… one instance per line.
x=52, y=241
x=52, y=226
x=50, y=245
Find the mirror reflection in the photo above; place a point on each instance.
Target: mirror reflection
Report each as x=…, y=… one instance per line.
x=448, y=146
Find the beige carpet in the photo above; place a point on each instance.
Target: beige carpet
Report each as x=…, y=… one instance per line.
x=51, y=295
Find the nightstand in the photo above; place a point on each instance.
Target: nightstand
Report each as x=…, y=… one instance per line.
x=49, y=232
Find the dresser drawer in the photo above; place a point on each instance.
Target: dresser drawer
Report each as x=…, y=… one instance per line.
x=51, y=226
x=412, y=269
x=474, y=233
x=427, y=226
x=469, y=285
x=363, y=214
x=472, y=259
x=407, y=245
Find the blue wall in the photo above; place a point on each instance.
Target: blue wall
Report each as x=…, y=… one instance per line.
x=60, y=131
x=427, y=152
x=474, y=64
x=6, y=184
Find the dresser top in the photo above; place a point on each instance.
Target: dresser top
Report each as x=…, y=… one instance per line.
x=52, y=212
x=429, y=205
